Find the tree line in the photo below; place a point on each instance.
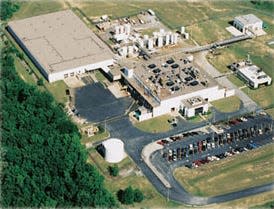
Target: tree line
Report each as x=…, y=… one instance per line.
x=8, y=8
x=44, y=163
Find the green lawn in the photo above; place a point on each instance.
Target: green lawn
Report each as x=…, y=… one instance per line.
x=33, y=8
x=149, y=31
x=268, y=205
x=229, y=104
x=155, y=125
x=263, y=96
x=236, y=81
x=211, y=16
x=99, y=76
x=22, y=71
x=97, y=137
x=250, y=168
x=195, y=119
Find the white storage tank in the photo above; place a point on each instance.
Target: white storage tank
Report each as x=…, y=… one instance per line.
x=114, y=150
x=167, y=39
x=160, y=41
x=127, y=29
x=130, y=50
x=172, y=38
x=150, y=44
x=141, y=42
x=183, y=30
x=175, y=38
x=146, y=37
x=117, y=29
x=162, y=31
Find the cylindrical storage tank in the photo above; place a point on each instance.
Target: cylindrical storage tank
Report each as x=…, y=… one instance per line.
x=127, y=29
x=155, y=34
x=183, y=30
x=145, y=37
x=141, y=42
x=172, y=38
x=130, y=50
x=114, y=150
x=162, y=31
x=122, y=29
x=167, y=39
x=150, y=44
x=117, y=28
x=186, y=35
x=175, y=38
x=124, y=49
x=160, y=41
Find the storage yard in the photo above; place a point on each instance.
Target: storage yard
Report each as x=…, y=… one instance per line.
x=142, y=47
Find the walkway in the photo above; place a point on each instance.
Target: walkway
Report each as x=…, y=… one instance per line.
x=223, y=81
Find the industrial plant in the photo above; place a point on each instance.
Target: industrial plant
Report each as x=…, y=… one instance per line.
x=136, y=87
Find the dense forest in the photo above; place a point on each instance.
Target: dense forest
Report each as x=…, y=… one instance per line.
x=7, y=8
x=43, y=162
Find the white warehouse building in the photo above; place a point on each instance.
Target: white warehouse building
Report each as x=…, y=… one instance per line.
x=60, y=44
x=248, y=23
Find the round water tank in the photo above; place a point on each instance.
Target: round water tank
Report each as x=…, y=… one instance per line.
x=114, y=150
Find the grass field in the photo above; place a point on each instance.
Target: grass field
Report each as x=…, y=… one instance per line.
x=263, y=96
x=33, y=8
x=246, y=203
x=155, y=125
x=130, y=176
x=251, y=168
x=99, y=76
x=267, y=205
x=229, y=104
x=22, y=71
x=98, y=137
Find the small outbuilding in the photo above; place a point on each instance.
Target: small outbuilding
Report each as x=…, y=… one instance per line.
x=114, y=150
x=248, y=23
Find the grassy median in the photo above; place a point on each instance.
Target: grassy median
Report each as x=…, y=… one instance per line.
x=229, y=104
x=155, y=125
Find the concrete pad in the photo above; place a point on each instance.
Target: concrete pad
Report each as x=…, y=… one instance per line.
x=73, y=82
x=115, y=89
x=260, y=32
x=234, y=31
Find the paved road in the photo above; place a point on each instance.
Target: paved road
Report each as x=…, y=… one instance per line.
x=135, y=140
x=223, y=81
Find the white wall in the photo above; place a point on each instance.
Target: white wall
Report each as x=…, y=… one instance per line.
x=212, y=93
x=79, y=70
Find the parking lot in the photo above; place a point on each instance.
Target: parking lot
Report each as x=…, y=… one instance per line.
x=95, y=103
x=193, y=149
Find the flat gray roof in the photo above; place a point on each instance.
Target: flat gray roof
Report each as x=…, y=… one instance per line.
x=248, y=19
x=60, y=41
x=168, y=80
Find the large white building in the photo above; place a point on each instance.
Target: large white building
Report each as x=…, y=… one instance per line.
x=60, y=44
x=171, y=85
x=248, y=23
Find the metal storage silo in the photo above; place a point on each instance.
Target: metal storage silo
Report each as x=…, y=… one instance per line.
x=114, y=150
